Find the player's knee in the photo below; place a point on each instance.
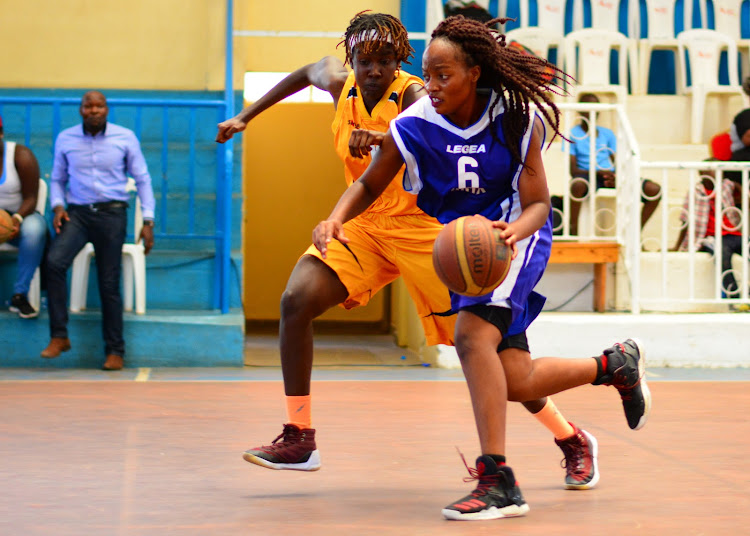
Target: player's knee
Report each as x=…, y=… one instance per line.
x=650, y=188
x=296, y=301
x=465, y=345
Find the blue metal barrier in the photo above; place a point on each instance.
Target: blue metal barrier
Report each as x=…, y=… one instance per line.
x=134, y=109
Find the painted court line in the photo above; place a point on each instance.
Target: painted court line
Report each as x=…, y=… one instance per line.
x=143, y=374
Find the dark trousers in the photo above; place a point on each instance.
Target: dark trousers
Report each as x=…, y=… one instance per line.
x=105, y=228
x=730, y=244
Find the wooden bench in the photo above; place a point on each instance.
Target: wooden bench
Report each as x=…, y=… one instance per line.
x=596, y=253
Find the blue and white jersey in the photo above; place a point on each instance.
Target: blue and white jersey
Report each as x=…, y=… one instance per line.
x=460, y=172
x=457, y=172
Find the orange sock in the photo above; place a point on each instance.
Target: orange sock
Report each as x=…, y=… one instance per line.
x=298, y=411
x=554, y=421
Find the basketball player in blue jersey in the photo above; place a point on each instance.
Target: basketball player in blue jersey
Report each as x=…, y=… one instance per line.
x=393, y=237
x=473, y=146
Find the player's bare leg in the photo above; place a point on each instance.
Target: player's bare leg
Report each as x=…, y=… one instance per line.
x=312, y=289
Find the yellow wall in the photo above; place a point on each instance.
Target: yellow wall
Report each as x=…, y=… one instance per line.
x=292, y=180
x=133, y=44
x=287, y=54
x=162, y=44
x=292, y=177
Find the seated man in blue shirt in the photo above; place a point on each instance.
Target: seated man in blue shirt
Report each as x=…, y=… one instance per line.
x=90, y=172
x=580, y=163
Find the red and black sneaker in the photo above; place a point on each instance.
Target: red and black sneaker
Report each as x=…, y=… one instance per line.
x=626, y=371
x=496, y=496
x=296, y=451
x=581, y=467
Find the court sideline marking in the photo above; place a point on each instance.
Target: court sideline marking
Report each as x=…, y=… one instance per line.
x=143, y=374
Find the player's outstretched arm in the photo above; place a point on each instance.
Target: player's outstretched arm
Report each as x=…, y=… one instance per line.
x=328, y=74
x=385, y=165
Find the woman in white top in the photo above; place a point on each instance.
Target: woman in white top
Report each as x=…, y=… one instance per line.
x=19, y=187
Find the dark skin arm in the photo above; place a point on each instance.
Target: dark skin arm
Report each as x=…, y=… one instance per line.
x=361, y=141
x=534, y=194
x=61, y=216
x=28, y=172
x=328, y=74
x=147, y=237
x=361, y=194
x=386, y=164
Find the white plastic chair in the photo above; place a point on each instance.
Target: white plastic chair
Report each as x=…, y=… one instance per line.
x=703, y=48
x=540, y=41
x=727, y=21
x=587, y=59
x=605, y=15
x=550, y=15
x=133, y=268
x=35, y=288
x=660, y=35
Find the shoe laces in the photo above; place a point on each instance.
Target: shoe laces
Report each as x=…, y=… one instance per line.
x=286, y=436
x=486, y=482
x=573, y=450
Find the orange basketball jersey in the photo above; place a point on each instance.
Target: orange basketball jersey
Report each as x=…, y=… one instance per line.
x=352, y=114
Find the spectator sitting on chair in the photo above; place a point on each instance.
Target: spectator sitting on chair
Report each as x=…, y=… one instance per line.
x=19, y=188
x=90, y=172
x=705, y=227
x=739, y=133
x=580, y=161
x=739, y=130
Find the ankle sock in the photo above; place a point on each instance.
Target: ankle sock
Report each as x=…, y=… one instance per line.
x=601, y=368
x=298, y=411
x=551, y=418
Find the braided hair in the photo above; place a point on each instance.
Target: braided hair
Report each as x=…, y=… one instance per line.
x=370, y=31
x=518, y=79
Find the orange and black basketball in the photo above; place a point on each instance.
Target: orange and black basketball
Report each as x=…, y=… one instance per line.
x=469, y=256
x=6, y=226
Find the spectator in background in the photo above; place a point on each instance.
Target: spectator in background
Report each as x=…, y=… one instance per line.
x=19, y=188
x=704, y=227
x=734, y=143
x=739, y=133
x=90, y=172
x=604, y=160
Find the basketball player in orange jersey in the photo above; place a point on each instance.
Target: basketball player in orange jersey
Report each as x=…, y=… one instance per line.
x=393, y=237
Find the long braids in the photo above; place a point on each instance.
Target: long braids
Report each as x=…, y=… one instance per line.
x=518, y=79
x=370, y=31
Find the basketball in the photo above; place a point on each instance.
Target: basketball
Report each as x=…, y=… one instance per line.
x=469, y=256
x=6, y=226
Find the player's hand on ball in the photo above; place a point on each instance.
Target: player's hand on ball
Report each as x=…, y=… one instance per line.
x=508, y=233
x=326, y=231
x=361, y=142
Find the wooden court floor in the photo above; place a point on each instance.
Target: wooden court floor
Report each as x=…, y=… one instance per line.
x=102, y=457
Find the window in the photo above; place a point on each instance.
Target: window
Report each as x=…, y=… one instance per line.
x=258, y=84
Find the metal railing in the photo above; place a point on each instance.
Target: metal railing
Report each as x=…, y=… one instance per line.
x=701, y=273
x=19, y=111
x=657, y=277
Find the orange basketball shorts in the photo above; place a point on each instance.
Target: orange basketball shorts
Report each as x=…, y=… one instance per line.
x=380, y=249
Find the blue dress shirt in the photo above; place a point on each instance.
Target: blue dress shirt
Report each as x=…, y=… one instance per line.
x=606, y=146
x=94, y=169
